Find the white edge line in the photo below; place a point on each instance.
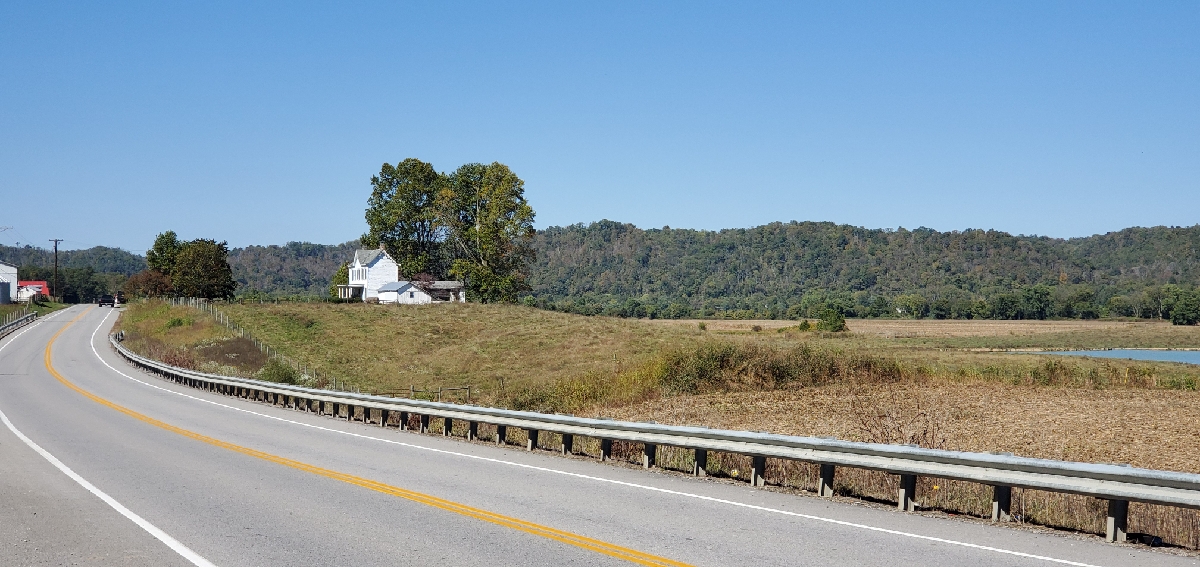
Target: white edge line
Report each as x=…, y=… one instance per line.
x=30, y=327
x=153, y=530
x=601, y=479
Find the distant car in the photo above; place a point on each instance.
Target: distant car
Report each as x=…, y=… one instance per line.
x=106, y=300
x=120, y=297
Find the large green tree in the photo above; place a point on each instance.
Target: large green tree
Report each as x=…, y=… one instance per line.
x=401, y=216
x=161, y=257
x=202, y=270
x=489, y=227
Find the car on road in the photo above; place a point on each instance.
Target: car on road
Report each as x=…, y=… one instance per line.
x=106, y=300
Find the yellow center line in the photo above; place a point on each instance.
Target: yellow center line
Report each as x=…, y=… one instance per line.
x=569, y=538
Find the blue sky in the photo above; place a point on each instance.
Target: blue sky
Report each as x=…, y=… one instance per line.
x=262, y=123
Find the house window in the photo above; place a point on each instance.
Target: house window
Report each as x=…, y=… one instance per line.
x=411, y=294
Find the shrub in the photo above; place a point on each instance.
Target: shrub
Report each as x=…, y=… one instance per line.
x=831, y=321
x=275, y=371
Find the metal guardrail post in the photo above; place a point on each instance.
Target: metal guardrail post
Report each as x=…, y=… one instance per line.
x=403, y=421
x=825, y=481
x=649, y=455
x=606, y=449
x=758, y=465
x=1117, y=521
x=384, y=416
x=567, y=441
x=531, y=442
x=700, y=464
x=424, y=423
x=501, y=435
x=472, y=430
x=906, y=499
x=1001, y=503
x=447, y=427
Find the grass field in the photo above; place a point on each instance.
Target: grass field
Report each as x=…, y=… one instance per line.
x=40, y=309
x=933, y=383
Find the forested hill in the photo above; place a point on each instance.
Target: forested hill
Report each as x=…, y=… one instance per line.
x=776, y=270
x=609, y=267
x=296, y=268
x=102, y=259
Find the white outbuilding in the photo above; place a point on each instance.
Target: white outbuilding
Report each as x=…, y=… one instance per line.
x=422, y=293
x=8, y=283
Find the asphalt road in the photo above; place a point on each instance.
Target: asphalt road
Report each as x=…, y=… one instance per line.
x=168, y=475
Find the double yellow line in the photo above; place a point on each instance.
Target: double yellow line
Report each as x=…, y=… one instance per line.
x=569, y=538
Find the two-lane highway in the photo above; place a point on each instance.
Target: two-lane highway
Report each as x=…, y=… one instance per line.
x=101, y=464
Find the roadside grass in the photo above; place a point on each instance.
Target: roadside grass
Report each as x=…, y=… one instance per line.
x=493, y=348
x=41, y=309
x=925, y=386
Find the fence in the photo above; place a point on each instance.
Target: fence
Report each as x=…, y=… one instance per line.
x=316, y=376
x=16, y=320
x=1117, y=484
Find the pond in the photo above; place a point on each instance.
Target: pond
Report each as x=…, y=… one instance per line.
x=1185, y=356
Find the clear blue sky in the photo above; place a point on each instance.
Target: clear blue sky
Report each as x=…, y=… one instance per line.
x=263, y=123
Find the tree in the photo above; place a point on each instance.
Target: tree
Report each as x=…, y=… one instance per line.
x=340, y=277
x=1035, y=302
x=148, y=283
x=202, y=270
x=489, y=227
x=832, y=321
x=401, y=216
x=1181, y=305
x=162, y=256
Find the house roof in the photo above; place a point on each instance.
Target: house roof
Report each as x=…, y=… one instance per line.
x=446, y=284
x=364, y=257
x=395, y=286
x=2, y=262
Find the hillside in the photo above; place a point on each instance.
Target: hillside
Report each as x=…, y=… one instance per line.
x=296, y=268
x=614, y=268
x=783, y=270
x=101, y=259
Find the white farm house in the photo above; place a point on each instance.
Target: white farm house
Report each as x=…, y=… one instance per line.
x=375, y=275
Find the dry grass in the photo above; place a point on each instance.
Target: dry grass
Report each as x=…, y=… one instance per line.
x=490, y=347
x=886, y=381
x=1145, y=428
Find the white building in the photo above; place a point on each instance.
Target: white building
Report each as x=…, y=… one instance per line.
x=8, y=283
x=368, y=272
x=415, y=293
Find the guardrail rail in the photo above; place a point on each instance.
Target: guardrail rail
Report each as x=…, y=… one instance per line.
x=16, y=323
x=1118, y=484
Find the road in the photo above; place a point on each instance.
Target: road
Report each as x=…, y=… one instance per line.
x=132, y=470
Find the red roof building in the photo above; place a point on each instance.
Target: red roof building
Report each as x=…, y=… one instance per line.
x=42, y=286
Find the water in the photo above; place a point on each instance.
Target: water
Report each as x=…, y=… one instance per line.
x=1184, y=356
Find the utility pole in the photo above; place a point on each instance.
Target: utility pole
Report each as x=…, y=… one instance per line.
x=56, y=241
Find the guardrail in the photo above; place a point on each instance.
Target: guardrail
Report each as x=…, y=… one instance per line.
x=1118, y=484
x=16, y=323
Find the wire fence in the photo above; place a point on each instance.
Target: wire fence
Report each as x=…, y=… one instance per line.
x=317, y=377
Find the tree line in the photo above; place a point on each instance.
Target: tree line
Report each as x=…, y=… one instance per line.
x=193, y=268
x=473, y=224
x=798, y=270
x=83, y=275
